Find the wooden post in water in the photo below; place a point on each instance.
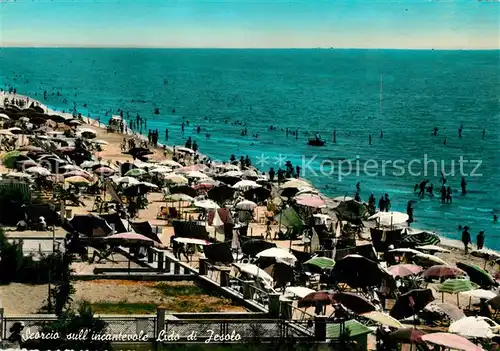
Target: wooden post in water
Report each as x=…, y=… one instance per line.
x=370, y=139
x=335, y=136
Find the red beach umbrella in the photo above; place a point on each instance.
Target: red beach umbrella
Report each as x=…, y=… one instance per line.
x=404, y=270
x=450, y=341
x=310, y=200
x=323, y=297
x=442, y=271
x=408, y=335
x=104, y=171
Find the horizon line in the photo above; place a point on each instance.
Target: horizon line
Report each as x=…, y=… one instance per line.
x=241, y=48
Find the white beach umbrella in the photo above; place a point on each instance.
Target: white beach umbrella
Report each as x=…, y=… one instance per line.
x=206, y=204
x=342, y=199
x=250, y=173
x=255, y=271
x=38, y=170
x=176, y=179
x=192, y=241
x=432, y=258
x=246, y=184
x=170, y=163
x=15, y=130
x=278, y=253
x=179, y=197
x=161, y=170
x=236, y=174
x=184, y=150
x=24, y=119
x=246, y=205
x=226, y=166
x=390, y=218
x=149, y=185
x=432, y=248
x=406, y=250
x=127, y=180
x=295, y=183
x=100, y=142
x=17, y=175
x=89, y=164
x=299, y=291
x=71, y=168
x=474, y=327
x=4, y=116
x=196, y=174
x=479, y=294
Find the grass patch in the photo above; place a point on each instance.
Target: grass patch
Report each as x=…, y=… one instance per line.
x=123, y=308
x=179, y=290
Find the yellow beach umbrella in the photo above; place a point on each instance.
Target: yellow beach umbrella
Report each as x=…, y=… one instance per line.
x=77, y=180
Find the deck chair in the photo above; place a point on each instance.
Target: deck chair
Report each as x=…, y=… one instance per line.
x=103, y=255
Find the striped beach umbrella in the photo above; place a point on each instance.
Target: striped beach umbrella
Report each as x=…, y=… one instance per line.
x=455, y=286
x=421, y=239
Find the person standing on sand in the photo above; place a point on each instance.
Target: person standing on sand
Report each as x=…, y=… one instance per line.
x=381, y=204
x=466, y=240
x=409, y=212
x=480, y=240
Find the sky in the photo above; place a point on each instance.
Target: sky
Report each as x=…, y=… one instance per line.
x=403, y=24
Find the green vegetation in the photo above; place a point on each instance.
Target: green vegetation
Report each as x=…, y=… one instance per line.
x=123, y=308
x=179, y=290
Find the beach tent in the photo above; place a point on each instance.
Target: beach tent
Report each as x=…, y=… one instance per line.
x=289, y=218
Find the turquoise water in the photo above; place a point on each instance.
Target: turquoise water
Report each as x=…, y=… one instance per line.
x=355, y=92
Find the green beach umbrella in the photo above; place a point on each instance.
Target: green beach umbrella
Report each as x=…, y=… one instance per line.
x=321, y=262
x=455, y=286
x=135, y=172
x=477, y=274
x=9, y=159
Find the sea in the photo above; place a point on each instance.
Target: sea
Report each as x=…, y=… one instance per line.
x=375, y=109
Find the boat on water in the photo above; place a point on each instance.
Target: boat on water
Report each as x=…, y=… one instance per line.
x=316, y=142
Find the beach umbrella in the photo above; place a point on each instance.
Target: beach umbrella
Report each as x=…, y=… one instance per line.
x=428, y=260
x=255, y=271
x=390, y=218
x=179, y=197
x=78, y=174
x=444, y=309
x=176, y=179
x=5, y=132
x=235, y=174
x=420, y=238
x=410, y=303
x=148, y=185
x=104, y=171
x=74, y=122
x=30, y=148
x=130, y=238
x=320, y=262
x=474, y=327
x=77, y=180
x=183, y=189
x=246, y=184
x=206, y=204
x=455, y=286
x=89, y=164
x=39, y=171
x=358, y=272
x=87, y=133
x=170, y=163
x=257, y=194
x=192, y=241
x=281, y=255
x=24, y=119
x=100, y=142
x=4, y=116
x=298, y=291
x=15, y=130
x=136, y=172
x=442, y=271
x=221, y=193
x=407, y=336
x=404, y=270
x=185, y=150
x=196, y=174
x=246, y=205
x=295, y=183
x=354, y=302
x=17, y=175
x=477, y=274
x=127, y=180
x=203, y=186
x=310, y=200
x=9, y=159
x=322, y=297
x=193, y=168
x=70, y=168
x=382, y=318
x=250, y=174
x=479, y=294
x=27, y=164
x=254, y=246
x=432, y=248
x=160, y=170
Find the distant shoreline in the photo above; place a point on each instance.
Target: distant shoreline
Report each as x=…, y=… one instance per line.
x=241, y=49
